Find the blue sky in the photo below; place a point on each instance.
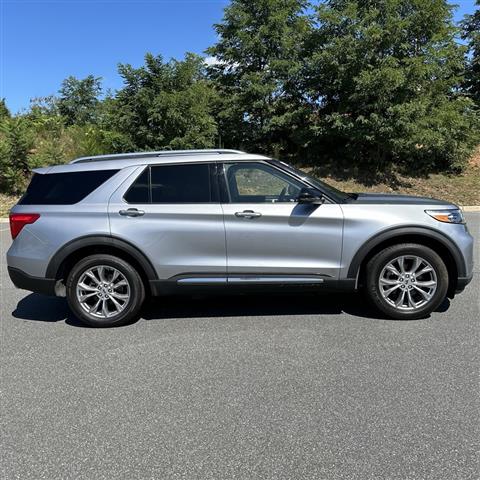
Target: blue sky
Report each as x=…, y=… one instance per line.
x=44, y=41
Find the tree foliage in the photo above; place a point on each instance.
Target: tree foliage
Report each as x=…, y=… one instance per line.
x=165, y=104
x=384, y=77
x=257, y=69
x=471, y=33
x=4, y=111
x=78, y=99
x=16, y=142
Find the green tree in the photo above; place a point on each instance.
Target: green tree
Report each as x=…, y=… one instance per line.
x=78, y=100
x=165, y=105
x=257, y=65
x=4, y=111
x=471, y=33
x=383, y=76
x=43, y=107
x=16, y=143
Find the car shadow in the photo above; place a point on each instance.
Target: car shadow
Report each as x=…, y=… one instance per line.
x=40, y=308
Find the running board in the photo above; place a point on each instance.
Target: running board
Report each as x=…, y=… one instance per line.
x=220, y=283
x=251, y=279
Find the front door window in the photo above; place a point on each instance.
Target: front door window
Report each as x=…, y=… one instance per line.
x=259, y=183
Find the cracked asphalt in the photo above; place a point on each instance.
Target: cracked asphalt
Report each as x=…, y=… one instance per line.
x=240, y=387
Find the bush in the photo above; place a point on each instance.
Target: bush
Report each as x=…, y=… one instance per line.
x=16, y=143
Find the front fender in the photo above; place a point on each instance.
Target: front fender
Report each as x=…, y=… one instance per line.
x=406, y=231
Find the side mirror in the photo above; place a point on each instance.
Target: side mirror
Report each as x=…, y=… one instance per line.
x=311, y=196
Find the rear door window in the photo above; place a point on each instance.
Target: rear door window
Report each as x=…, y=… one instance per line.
x=181, y=184
x=63, y=188
x=187, y=183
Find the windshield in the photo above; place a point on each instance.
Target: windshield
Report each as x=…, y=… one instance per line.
x=333, y=192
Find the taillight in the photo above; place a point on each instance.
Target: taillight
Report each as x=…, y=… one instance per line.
x=19, y=220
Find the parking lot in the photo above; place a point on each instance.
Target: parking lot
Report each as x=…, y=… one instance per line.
x=280, y=387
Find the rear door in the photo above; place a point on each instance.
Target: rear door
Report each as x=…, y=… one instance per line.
x=268, y=233
x=173, y=215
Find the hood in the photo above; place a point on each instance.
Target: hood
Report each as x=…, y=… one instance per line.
x=393, y=199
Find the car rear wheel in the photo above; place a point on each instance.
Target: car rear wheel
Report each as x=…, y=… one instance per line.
x=406, y=281
x=105, y=291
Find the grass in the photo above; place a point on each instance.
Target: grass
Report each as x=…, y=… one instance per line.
x=463, y=189
x=6, y=203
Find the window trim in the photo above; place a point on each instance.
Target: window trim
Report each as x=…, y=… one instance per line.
x=213, y=184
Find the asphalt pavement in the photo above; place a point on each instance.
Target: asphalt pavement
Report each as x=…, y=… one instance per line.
x=265, y=387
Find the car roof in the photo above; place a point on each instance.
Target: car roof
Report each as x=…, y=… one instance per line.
x=119, y=161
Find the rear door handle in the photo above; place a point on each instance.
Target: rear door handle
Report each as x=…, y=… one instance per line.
x=248, y=214
x=131, y=212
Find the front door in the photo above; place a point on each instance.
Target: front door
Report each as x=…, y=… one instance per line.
x=269, y=233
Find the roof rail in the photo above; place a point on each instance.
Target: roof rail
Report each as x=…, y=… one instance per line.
x=161, y=153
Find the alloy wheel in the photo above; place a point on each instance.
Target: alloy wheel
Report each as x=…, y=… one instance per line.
x=408, y=282
x=103, y=291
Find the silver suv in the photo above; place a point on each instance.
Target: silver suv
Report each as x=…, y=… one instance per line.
x=107, y=231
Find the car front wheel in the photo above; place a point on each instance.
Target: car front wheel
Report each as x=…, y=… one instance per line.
x=406, y=281
x=105, y=291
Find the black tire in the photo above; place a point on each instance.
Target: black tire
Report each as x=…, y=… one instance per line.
x=374, y=270
x=131, y=306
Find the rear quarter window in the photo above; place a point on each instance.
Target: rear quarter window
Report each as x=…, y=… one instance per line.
x=63, y=188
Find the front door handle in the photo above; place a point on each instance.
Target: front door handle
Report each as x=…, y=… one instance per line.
x=131, y=212
x=248, y=214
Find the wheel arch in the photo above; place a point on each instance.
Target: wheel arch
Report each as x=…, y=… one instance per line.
x=438, y=242
x=65, y=258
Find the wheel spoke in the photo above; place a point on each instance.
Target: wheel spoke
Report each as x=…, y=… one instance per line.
x=424, y=270
x=400, y=299
x=94, y=308
x=101, y=273
x=118, y=306
x=120, y=296
x=91, y=275
x=430, y=283
x=392, y=269
x=388, y=281
x=105, y=311
x=416, y=264
x=411, y=303
x=426, y=295
x=87, y=295
x=401, y=264
x=89, y=288
x=116, y=274
x=390, y=290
